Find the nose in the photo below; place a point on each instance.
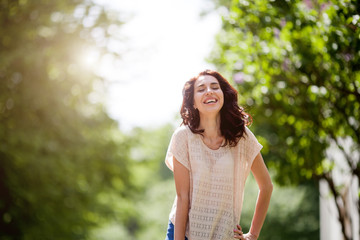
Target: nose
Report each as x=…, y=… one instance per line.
x=209, y=91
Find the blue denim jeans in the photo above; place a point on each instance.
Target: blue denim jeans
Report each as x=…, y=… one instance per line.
x=170, y=232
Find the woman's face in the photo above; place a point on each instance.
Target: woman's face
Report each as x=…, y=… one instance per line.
x=208, y=96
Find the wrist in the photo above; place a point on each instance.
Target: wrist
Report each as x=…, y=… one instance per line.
x=252, y=236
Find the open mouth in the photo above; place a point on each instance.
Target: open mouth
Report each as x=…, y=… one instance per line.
x=210, y=101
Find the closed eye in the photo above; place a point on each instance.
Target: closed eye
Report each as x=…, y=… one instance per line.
x=214, y=86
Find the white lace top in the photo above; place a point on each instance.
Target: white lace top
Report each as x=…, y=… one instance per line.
x=217, y=179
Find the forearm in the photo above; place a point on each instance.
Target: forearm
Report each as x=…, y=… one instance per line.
x=181, y=217
x=262, y=205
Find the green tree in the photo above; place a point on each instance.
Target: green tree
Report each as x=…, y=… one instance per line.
x=63, y=161
x=296, y=65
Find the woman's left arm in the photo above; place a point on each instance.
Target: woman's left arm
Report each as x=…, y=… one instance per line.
x=263, y=180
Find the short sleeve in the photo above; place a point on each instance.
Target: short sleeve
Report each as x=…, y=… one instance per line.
x=178, y=148
x=252, y=146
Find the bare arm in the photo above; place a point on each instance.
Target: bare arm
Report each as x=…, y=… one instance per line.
x=182, y=184
x=263, y=180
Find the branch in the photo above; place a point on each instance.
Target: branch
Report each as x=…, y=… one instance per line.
x=351, y=162
x=347, y=91
x=340, y=207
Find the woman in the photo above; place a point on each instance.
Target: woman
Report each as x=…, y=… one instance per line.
x=211, y=155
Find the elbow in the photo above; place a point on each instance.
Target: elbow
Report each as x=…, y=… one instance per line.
x=271, y=187
x=183, y=198
x=267, y=188
x=183, y=202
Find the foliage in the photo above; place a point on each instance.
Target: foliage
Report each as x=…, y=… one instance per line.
x=296, y=64
x=62, y=159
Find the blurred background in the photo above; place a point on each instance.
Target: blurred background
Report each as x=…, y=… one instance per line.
x=90, y=92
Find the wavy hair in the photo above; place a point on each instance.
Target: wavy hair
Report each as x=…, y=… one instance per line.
x=233, y=118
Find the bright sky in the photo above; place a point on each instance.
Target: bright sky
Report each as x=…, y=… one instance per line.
x=166, y=43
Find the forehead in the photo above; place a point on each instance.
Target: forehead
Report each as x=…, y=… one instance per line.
x=206, y=80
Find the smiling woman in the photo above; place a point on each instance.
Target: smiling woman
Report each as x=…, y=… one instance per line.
x=211, y=156
x=208, y=94
x=211, y=84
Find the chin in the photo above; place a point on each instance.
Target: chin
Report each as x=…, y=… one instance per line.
x=210, y=111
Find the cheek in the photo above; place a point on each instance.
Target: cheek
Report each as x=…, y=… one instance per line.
x=221, y=94
x=222, y=100
x=197, y=98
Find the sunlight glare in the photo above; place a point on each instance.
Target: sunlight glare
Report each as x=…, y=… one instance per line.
x=89, y=57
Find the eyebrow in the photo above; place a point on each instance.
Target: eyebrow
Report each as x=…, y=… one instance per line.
x=211, y=84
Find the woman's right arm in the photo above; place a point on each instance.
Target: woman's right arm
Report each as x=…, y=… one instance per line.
x=182, y=184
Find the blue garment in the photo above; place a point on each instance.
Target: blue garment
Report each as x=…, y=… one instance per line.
x=170, y=232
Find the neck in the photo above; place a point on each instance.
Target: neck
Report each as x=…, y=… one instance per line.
x=211, y=126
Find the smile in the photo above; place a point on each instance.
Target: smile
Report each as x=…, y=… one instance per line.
x=210, y=101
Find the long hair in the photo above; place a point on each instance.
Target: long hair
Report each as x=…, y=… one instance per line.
x=233, y=118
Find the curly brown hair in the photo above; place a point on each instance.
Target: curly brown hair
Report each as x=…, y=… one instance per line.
x=233, y=118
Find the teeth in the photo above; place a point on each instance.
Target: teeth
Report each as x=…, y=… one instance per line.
x=211, y=101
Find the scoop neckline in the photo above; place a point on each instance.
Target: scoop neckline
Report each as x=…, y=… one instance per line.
x=208, y=148
x=198, y=136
